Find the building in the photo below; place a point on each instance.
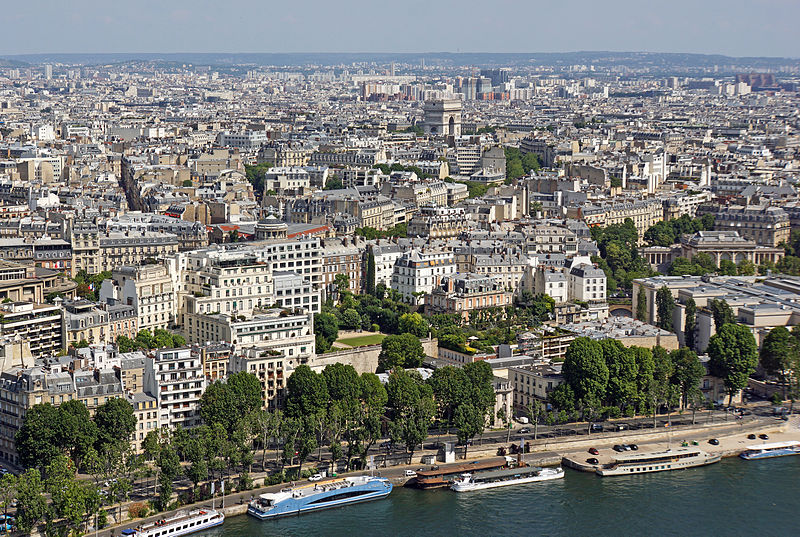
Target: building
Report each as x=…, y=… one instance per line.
x=766, y=225
x=532, y=383
x=175, y=377
x=149, y=289
x=586, y=283
x=728, y=246
x=287, y=181
x=41, y=326
x=417, y=272
x=438, y=222
x=462, y=294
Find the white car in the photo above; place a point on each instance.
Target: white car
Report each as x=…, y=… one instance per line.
x=315, y=477
x=410, y=473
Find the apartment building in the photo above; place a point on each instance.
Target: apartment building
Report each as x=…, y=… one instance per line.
x=149, y=289
x=766, y=225
x=463, y=294
x=643, y=213
x=386, y=255
x=438, y=222
x=175, y=377
x=40, y=325
x=417, y=272
x=342, y=256
x=586, y=283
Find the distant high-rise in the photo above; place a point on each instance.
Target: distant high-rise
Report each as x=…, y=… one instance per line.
x=48, y=71
x=497, y=76
x=391, y=69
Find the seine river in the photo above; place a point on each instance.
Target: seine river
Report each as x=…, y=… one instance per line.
x=733, y=497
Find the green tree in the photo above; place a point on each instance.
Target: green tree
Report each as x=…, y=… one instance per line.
x=414, y=323
x=400, y=351
x=126, y=344
x=779, y=353
x=562, y=397
x=641, y=305
x=722, y=313
x=306, y=393
x=411, y=409
x=350, y=320
x=115, y=422
x=665, y=305
x=370, y=276
x=469, y=421
x=255, y=175
x=31, y=500
x=687, y=372
x=622, y=389
x=586, y=372
x=145, y=339
x=326, y=325
x=733, y=356
x=333, y=183
x=76, y=431
x=727, y=268
x=37, y=440
x=690, y=326
x=746, y=268
x=228, y=402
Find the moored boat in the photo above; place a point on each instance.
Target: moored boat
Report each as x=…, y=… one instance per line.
x=294, y=501
x=181, y=523
x=504, y=478
x=773, y=449
x=663, y=461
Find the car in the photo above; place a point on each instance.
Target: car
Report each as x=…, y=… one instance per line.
x=634, y=447
x=714, y=442
x=621, y=426
x=592, y=461
x=410, y=473
x=315, y=477
x=594, y=451
x=763, y=436
x=751, y=436
x=618, y=448
x=525, y=430
x=598, y=427
x=386, y=445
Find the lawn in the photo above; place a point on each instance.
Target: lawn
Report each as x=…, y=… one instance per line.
x=361, y=341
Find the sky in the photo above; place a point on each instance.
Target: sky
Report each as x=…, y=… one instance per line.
x=731, y=27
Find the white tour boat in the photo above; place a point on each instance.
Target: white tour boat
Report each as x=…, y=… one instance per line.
x=505, y=477
x=671, y=459
x=181, y=523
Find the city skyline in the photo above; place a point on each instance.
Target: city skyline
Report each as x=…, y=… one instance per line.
x=760, y=28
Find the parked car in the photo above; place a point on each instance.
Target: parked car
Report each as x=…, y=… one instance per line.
x=763, y=436
x=386, y=445
x=410, y=473
x=751, y=436
x=622, y=426
x=315, y=477
x=525, y=430
x=618, y=448
x=594, y=451
x=597, y=427
x=634, y=447
x=592, y=461
x=714, y=442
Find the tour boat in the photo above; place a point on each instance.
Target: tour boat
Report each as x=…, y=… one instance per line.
x=504, y=478
x=294, y=501
x=181, y=523
x=671, y=459
x=775, y=449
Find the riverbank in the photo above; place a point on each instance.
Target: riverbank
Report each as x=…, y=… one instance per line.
x=549, y=452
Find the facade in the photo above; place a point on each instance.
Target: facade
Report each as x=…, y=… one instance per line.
x=417, y=272
x=437, y=222
x=586, y=283
x=442, y=117
x=175, y=377
x=729, y=246
x=41, y=326
x=149, y=289
x=533, y=383
x=764, y=224
x=462, y=294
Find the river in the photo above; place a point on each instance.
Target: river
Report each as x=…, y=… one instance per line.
x=733, y=497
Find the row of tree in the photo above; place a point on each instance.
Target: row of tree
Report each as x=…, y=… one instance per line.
x=146, y=340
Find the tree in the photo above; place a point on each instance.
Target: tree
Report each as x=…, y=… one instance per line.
x=733, y=356
x=690, y=326
x=469, y=421
x=722, y=313
x=622, y=374
x=369, y=285
x=665, y=304
x=306, y=393
x=687, y=372
x=115, y=422
x=76, y=431
x=400, y=351
x=727, y=268
x=450, y=389
x=333, y=183
x=326, y=325
x=37, y=440
x=126, y=344
x=230, y=401
x=586, y=372
x=562, y=397
x=31, y=500
x=779, y=353
x=414, y=323
x=411, y=409
x=351, y=319
x=641, y=305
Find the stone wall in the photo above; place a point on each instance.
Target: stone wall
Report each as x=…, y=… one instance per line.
x=365, y=359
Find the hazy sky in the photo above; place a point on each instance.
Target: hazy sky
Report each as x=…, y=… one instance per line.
x=733, y=27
